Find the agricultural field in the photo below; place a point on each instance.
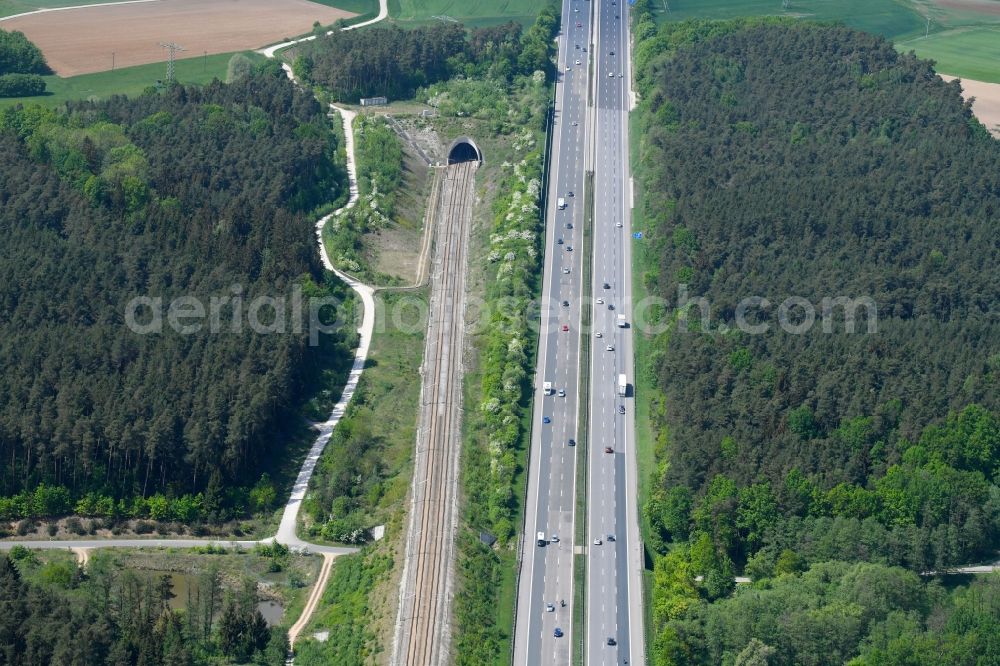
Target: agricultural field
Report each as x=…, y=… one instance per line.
x=964, y=35
x=885, y=17
x=13, y=7
x=469, y=12
x=129, y=80
x=88, y=39
x=970, y=53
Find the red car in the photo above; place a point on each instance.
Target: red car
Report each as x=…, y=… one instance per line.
x=565, y=328
x=608, y=449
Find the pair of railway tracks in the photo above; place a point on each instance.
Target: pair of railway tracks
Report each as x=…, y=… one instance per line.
x=423, y=633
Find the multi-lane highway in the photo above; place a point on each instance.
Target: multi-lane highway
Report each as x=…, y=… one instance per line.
x=546, y=575
x=593, y=48
x=613, y=581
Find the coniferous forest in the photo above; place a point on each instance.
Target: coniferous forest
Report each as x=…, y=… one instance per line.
x=187, y=191
x=782, y=159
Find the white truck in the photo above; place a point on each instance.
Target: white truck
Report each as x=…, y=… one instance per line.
x=561, y=203
x=547, y=388
x=622, y=386
x=621, y=321
x=540, y=538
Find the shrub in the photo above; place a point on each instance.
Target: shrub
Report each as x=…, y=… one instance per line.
x=21, y=85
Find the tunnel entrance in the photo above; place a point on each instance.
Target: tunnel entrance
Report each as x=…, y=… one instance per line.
x=464, y=149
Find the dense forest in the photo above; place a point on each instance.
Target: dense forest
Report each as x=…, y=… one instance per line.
x=199, y=192
x=21, y=66
x=54, y=613
x=787, y=160
x=393, y=62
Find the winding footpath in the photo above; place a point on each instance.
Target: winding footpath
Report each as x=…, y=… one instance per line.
x=287, y=528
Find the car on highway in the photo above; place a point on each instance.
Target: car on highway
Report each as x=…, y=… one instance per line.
x=562, y=393
x=550, y=607
x=569, y=248
x=565, y=304
x=557, y=633
x=611, y=53
x=578, y=62
x=554, y=538
x=598, y=335
x=612, y=641
x=566, y=270
x=597, y=541
x=619, y=224
x=611, y=75
x=565, y=327
x=621, y=409
x=600, y=301
x=570, y=194
x=540, y=539
x=611, y=306
x=569, y=225
x=571, y=442
x=574, y=123
x=620, y=75
x=579, y=25
x=606, y=285
x=611, y=537
x=608, y=449
x=610, y=347
x=546, y=419
x=559, y=241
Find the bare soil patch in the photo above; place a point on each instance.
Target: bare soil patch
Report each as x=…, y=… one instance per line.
x=987, y=103
x=980, y=6
x=81, y=41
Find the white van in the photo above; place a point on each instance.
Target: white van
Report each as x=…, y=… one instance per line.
x=541, y=538
x=561, y=203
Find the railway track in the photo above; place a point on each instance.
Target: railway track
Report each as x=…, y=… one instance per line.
x=423, y=623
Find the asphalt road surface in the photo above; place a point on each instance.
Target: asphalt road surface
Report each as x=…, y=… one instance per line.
x=613, y=585
x=546, y=575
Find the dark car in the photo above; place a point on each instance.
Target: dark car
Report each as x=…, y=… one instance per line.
x=559, y=241
x=621, y=409
x=612, y=641
x=565, y=304
x=608, y=449
x=611, y=306
x=571, y=442
x=557, y=633
x=569, y=225
x=546, y=419
x=607, y=286
x=570, y=194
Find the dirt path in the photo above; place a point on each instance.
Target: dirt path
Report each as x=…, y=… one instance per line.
x=314, y=596
x=383, y=13
x=82, y=556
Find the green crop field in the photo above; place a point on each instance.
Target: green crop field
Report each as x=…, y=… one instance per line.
x=971, y=53
x=964, y=39
x=469, y=12
x=885, y=17
x=128, y=80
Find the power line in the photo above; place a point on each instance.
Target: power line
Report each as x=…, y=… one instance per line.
x=172, y=49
